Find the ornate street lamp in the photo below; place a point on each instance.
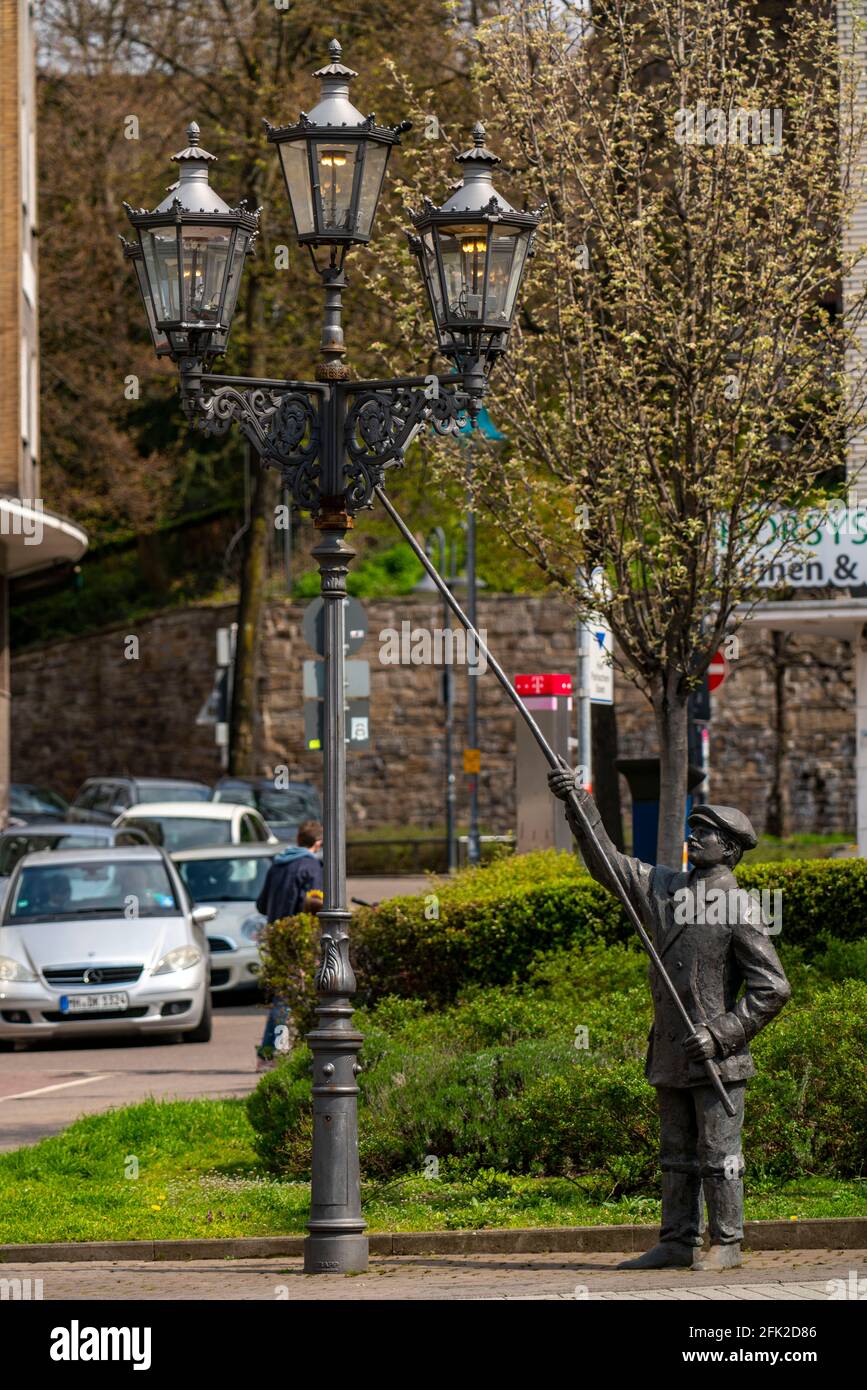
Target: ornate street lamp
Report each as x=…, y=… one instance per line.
x=333, y=440
x=333, y=163
x=472, y=252
x=132, y=252
x=192, y=251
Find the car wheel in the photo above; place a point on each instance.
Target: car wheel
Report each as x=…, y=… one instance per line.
x=202, y=1031
x=7, y=1045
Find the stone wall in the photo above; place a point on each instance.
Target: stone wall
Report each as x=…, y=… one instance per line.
x=82, y=707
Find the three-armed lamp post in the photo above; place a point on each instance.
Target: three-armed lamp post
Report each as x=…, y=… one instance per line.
x=332, y=440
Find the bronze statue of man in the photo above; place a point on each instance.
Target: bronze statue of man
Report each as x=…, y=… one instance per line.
x=712, y=939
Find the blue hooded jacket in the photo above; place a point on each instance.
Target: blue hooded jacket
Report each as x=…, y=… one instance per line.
x=294, y=873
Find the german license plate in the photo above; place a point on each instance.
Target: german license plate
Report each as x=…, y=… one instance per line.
x=92, y=1003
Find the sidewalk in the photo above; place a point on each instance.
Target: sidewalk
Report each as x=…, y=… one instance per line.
x=773, y=1275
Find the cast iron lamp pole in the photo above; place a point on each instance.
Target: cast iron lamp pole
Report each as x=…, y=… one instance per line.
x=332, y=440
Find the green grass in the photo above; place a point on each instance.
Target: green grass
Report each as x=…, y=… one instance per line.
x=198, y=1176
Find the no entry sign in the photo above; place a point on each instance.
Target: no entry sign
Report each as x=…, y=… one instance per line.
x=717, y=671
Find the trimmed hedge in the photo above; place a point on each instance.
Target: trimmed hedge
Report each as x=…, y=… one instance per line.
x=487, y=925
x=498, y=1082
x=484, y=927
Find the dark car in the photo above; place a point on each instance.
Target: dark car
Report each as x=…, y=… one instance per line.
x=49, y=835
x=28, y=802
x=282, y=808
x=102, y=799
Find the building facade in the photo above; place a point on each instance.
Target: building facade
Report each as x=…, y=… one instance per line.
x=31, y=537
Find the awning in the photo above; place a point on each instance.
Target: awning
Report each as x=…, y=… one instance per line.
x=32, y=538
x=826, y=617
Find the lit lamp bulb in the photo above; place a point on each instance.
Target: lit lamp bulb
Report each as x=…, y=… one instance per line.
x=333, y=160
x=473, y=248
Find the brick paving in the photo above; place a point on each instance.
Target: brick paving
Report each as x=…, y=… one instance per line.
x=788, y=1276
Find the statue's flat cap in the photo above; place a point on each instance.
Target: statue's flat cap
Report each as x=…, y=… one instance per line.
x=728, y=819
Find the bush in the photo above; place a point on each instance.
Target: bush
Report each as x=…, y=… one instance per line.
x=492, y=926
x=819, y=896
x=290, y=954
x=493, y=922
x=807, y=1107
x=489, y=923
x=502, y=1081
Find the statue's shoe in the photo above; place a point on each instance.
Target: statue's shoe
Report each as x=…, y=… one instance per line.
x=668, y=1254
x=718, y=1257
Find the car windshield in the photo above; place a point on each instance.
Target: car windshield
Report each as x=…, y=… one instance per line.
x=224, y=880
x=173, y=791
x=14, y=847
x=123, y=888
x=37, y=799
x=293, y=804
x=183, y=832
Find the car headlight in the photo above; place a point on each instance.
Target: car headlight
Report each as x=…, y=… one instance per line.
x=252, y=927
x=181, y=958
x=13, y=970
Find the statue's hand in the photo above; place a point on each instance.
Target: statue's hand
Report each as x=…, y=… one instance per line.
x=700, y=1045
x=563, y=781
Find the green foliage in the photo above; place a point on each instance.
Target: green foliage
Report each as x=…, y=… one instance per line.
x=492, y=922
x=818, y=896
x=808, y=1103
x=501, y=1081
x=478, y=998
x=289, y=953
x=500, y=923
x=484, y=926
x=381, y=574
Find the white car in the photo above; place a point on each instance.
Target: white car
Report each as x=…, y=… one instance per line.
x=178, y=825
x=102, y=941
x=229, y=879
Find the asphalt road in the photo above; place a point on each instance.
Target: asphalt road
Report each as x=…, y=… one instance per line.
x=45, y=1088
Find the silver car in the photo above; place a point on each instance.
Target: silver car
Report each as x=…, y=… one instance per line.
x=229, y=878
x=102, y=941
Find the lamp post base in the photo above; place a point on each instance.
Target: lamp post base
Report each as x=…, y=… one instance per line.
x=335, y=1254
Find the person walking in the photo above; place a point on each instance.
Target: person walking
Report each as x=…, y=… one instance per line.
x=293, y=884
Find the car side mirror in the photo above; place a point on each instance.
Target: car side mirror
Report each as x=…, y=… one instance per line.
x=201, y=915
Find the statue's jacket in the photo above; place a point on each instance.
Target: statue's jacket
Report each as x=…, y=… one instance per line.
x=707, y=960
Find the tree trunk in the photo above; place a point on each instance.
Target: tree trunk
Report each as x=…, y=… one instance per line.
x=251, y=588
x=606, y=778
x=670, y=710
x=245, y=695
x=775, y=819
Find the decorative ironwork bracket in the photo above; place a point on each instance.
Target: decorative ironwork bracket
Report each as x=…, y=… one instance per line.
x=382, y=418
x=354, y=430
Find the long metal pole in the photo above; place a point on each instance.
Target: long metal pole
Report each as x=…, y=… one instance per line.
x=585, y=711
x=578, y=810
x=449, y=703
x=336, y=1243
x=474, y=850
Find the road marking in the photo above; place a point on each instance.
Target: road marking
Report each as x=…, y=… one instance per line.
x=60, y=1086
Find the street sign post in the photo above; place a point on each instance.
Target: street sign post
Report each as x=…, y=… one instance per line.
x=356, y=684
x=354, y=625
x=600, y=676
x=357, y=725
x=217, y=709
